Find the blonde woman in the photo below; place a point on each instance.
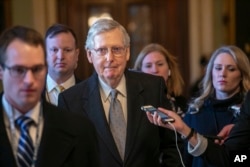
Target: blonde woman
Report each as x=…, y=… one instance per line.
x=155, y=59
x=223, y=88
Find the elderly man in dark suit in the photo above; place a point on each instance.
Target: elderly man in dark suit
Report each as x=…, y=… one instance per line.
x=129, y=140
x=32, y=131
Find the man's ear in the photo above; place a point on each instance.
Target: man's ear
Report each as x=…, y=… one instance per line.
x=77, y=53
x=89, y=56
x=128, y=54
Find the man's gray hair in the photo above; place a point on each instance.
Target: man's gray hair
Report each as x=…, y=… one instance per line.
x=105, y=25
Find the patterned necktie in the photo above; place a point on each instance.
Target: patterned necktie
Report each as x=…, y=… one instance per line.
x=59, y=88
x=117, y=123
x=25, y=150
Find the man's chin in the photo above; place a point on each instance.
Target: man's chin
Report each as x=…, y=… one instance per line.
x=30, y=100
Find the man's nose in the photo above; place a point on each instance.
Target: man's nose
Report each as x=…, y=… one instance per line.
x=109, y=55
x=29, y=76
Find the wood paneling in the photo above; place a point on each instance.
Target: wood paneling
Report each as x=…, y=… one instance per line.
x=169, y=20
x=5, y=14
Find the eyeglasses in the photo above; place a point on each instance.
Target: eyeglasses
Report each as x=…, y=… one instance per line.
x=20, y=71
x=115, y=50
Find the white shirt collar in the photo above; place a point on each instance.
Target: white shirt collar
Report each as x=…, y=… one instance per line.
x=51, y=84
x=106, y=89
x=12, y=112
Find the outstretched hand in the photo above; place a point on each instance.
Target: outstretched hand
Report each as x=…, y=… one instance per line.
x=178, y=123
x=224, y=133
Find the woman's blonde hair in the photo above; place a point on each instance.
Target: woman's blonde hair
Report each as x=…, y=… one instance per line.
x=206, y=85
x=175, y=82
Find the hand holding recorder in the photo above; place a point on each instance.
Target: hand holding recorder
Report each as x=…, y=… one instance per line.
x=152, y=109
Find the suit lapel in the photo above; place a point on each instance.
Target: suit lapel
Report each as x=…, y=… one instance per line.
x=92, y=104
x=135, y=100
x=7, y=158
x=55, y=141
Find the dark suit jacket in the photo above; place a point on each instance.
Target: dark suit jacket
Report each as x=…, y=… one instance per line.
x=238, y=140
x=144, y=141
x=68, y=140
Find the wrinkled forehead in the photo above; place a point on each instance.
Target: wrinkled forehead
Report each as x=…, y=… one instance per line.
x=109, y=38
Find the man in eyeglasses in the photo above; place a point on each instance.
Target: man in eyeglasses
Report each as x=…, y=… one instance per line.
x=32, y=131
x=112, y=98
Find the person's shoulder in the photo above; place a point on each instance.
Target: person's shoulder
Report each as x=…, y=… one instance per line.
x=245, y=108
x=78, y=80
x=79, y=87
x=64, y=117
x=68, y=122
x=247, y=97
x=141, y=75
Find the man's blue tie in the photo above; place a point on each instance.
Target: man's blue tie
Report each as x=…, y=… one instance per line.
x=117, y=123
x=25, y=150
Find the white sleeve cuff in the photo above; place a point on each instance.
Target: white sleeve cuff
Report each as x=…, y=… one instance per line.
x=200, y=147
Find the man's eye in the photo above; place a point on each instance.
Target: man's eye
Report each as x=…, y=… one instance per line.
x=19, y=70
x=117, y=49
x=102, y=50
x=54, y=49
x=36, y=69
x=68, y=50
